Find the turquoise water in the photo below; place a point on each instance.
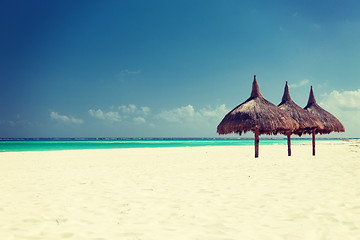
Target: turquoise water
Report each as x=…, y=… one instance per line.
x=52, y=145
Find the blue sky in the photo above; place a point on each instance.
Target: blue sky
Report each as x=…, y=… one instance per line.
x=170, y=68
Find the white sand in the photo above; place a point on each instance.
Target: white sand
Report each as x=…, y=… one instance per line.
x=203, y=193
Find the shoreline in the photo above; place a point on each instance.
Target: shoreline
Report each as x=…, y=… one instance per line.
x=51, y=147
x=267, y=147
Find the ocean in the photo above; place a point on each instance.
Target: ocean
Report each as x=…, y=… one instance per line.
x=17, y=145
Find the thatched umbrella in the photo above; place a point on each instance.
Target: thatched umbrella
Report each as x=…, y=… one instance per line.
x=307, y=122
x=331, y=123
x=257, y=115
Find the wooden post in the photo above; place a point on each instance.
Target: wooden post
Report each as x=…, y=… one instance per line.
x=313, y=142
x=289, y=144
x=256, y=143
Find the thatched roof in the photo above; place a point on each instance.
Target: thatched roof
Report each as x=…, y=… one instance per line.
x=257, y=114
x=307, y=122
x=331, y=123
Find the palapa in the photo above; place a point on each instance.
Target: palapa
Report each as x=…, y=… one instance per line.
x=330, y=122
x=258, y=115
x=307, y=122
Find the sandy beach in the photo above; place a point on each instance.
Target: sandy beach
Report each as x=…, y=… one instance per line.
x=203, y=193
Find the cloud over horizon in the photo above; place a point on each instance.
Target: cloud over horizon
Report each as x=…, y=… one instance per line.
x=129, y=112
x=99, y=114
x=345, y=100
x=189, y=114
x=181, y=115
x=345, y=105
x=66, y=119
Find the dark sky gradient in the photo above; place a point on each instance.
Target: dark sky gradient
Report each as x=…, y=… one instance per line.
x=191, y=60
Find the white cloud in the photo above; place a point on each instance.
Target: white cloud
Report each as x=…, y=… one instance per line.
x=111, y=115
x=302, y=83
x=178, y=114
x=219, y=111
x=122, y=113
x=189, y=114
x=63, y=118
x=131, y=108
x=145, y=110
x=14, y=123
x=345, y=100
x=139, y=120
x=142, y=115
x=345, y=105
x=98, y=113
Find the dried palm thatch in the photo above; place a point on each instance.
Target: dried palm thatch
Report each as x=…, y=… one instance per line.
x=258, y=115
x=330, y=122
x=307, y=122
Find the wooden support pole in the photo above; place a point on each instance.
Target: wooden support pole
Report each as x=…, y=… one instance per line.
x=289, y=144
x=256, y=143
x=313, y=142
